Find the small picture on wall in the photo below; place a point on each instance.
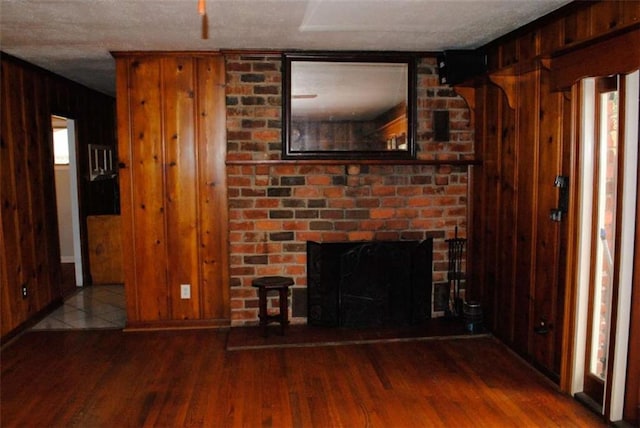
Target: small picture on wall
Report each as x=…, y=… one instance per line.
x=100, y=162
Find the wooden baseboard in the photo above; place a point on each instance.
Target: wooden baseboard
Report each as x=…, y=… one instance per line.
x=177, y=325
x=33, y=320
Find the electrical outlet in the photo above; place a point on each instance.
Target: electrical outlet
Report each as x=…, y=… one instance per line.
x=24, y=291
x=185, y=291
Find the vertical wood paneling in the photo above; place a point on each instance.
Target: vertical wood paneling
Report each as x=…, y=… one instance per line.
x=125, y=162
x=172, y=140
x=535, y=291
x=148, y=192
x=525, y=271
x=577, y=26
x=28, y=178
x=565, y=255
x=608, y=15
x=529, y=45
x=547, y=284
x=180, y=173
x=630, y=12
x=521, y=257
x=212, y=189
x=33, y=91
x=493, y=57
x=551, y=36
x=31, y=255
x=527, y=208
x=48, y=246
x=507, y=217
x=24, y=229
x=13, y=306
x=509, y=53
x=492, y=168
x=477, y=287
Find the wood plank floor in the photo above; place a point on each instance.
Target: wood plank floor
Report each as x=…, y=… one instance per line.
x=241, y=338
x=187, y=378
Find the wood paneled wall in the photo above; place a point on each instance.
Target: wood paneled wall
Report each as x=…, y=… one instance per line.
x=172, y=148
x=521, y=260
x=515, y=242
x=30, y=254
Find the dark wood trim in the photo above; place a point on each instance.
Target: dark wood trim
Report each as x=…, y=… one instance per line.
x=468, y=93
x=572, y=245
x=164, y=54
x=558, y=14
x=275, y=162
x=611, y=56
x=263, y=52
x=593, y=386
x=600, y=38
x=616, y=83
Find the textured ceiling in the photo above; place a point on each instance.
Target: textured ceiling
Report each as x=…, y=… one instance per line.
x=74, y=38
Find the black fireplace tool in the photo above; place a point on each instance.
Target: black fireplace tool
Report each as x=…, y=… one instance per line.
x=455, y=275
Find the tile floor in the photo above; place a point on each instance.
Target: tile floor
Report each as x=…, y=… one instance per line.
x=98, y=306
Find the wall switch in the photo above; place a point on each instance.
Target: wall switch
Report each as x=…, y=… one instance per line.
x=24, y=291
x=185, y=291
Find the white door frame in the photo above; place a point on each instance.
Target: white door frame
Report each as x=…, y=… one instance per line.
x=629, y=194
x=75, y=205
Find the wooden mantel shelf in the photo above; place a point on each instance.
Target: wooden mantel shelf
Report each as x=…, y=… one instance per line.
x=452, y=162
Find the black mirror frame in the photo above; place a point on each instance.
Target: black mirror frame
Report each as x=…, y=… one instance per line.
x=382, y=57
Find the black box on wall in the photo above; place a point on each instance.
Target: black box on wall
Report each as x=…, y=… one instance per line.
x=441, y=125
x=456, y=66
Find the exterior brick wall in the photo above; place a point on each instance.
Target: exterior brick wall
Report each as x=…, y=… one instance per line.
x=275, y=208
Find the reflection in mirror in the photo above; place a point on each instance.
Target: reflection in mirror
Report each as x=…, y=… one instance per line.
x=347, y=107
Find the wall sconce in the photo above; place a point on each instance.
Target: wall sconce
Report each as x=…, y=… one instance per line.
x=441, y=125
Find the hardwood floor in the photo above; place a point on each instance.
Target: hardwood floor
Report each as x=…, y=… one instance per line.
x=187, y=378
x=242, y=338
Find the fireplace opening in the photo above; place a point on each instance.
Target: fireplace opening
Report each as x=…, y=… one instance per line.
x=369, y=284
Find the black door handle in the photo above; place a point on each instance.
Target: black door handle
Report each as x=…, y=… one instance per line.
x=562, y=183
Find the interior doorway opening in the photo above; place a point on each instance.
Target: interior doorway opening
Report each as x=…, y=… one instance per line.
x=67, y=203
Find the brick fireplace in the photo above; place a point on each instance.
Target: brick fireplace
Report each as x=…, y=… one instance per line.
x=276, y=207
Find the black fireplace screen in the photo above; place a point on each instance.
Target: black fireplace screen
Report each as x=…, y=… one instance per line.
x=369, y=284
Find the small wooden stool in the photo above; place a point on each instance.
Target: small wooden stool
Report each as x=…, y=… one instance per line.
x=273, y=283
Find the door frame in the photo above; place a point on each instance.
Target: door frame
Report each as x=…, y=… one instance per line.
x=613, y=403
x=78, y=244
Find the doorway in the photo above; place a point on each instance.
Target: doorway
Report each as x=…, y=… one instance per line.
x=608, y=190
x=66, y=185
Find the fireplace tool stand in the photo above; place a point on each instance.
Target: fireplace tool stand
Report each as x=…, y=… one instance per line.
x=455, y=275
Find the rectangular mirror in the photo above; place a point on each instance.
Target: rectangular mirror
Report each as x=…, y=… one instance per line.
x=349, y=106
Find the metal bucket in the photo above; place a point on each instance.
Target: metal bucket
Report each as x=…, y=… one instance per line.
x=472, y=314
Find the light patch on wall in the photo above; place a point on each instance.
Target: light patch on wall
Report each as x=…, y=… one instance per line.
x=60, y=146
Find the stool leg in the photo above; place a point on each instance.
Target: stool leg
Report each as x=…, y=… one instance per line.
x=284, y=309
x=264, y=320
